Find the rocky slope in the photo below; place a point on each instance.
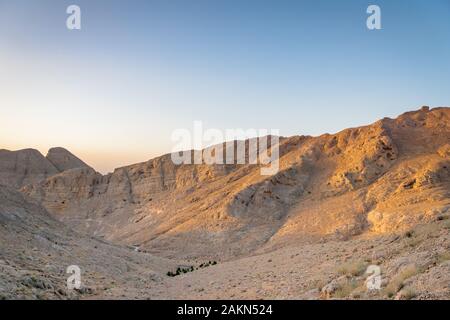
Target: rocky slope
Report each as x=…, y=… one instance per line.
x=413, y=265
x=35, y=251
x=378, y=179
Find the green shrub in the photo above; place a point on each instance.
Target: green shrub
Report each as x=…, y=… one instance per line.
x=190, y=269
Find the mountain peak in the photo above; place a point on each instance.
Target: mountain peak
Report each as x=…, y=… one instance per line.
x=64, y=160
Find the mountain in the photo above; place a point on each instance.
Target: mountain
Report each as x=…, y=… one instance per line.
x=376, y=196
x=22, y=167
x=18, y=168
x=63, y=160
x=378, y=179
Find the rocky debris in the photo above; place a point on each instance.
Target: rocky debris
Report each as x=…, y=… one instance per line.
x=33, y=282
x=329, y=289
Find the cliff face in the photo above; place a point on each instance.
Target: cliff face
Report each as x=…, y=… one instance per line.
x=18, y=168
x=380, y=178
x=22, y=167
x=63, y=160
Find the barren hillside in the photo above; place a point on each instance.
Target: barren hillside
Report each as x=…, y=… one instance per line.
x=22, y=167
x=377, y=179
x=35, y=251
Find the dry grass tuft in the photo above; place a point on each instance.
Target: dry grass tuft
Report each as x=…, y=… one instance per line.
x=408, y=294
x=447, y=224
x=346, y=289
x=397, y=283
x=353, y=268
x=445, y=256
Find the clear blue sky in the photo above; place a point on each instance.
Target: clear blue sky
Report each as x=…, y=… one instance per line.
x=114, y=91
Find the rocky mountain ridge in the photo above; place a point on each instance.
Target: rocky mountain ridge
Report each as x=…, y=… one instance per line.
x=384, y=177
x=372, y=195
x=27, y=166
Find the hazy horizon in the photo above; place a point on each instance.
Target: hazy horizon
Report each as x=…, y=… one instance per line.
x=99, y=164
x=113, y=92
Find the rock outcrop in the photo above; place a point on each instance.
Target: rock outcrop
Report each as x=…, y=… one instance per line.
x=63, y=160
x=18, y=168
x=28, y=166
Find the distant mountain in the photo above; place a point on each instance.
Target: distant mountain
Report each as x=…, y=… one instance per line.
x=22, y=167
x=63, y=160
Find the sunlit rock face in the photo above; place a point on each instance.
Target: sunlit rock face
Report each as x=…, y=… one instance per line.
x=380, y=178
x=63, y=160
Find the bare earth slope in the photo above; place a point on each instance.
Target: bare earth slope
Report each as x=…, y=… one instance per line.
x=376, y=179
x=414, y=265
x=36, y=250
